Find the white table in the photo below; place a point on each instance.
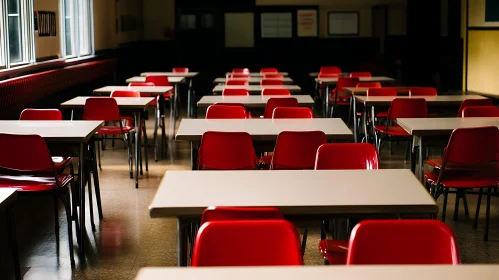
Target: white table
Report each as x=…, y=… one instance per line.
x=424, y=128
x=65, y=138
x=256, y=89
x=258, y=74
x=142, y=79
x=254, y=80
x=142, y=89
x=363, y=90
x=309, y=194
x=8, y=198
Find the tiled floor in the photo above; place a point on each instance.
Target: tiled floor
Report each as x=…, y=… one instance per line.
x=127, y=239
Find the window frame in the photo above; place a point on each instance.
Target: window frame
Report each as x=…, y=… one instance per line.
x=76, y=31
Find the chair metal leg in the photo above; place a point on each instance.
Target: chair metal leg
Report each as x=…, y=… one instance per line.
x=56, y=218
x=456, y=207
x=487, y=216
x=130, y=153
x=304, y=241
x=444, y=209
x=95, y=172
x=465, y=202
x=11, y=227
x=146, y=145
x=65, y=201
x=155, y=134
x=74, y=210
x=99, y=145
x=477, y=212
x=90, y=201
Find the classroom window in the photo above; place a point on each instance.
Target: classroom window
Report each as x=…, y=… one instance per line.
x=16, y=40
x=77, y=39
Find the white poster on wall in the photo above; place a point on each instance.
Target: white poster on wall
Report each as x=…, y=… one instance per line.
x=239, y=32
x=307, y=23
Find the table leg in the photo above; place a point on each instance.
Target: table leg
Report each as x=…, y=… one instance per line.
x=171, y=128
x=421, y=166
x=11, y=226
x=364, y=121
x=138, y=126
x=181, y=242
x=189, y=100
x=354, y=118
x=326, y=101
x=81, y=175
x=373, y=118
x=413, y=154
x=95, y=173
x=194, y=156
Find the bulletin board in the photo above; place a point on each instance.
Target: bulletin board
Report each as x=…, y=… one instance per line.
x=491, y=10
x=307, y=23
x=343, y=23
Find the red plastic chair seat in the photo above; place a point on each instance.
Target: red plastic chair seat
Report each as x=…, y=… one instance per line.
x=437, y=163
x=61, y=162
x=394, y=130
x=335, y=251
x=464, y=178
x=110, y=130
x=27, y=183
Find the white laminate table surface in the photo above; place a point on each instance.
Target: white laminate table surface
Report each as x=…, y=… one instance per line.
x=256, y=89
x=54, y=131
x=336, y=272
x=263, y=129
x=150, y=90
x=361, y=79
x=442, y=126
x=171, y=74
x=440, y=99
x=123, y=102
x=254, y=80
x=172, y=80
x=258, y=74
x=7, y=195
x=252, y=100
x=294, y=192
x=363, y=90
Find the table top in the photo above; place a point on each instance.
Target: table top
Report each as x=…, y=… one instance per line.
x=123, y=102
x=442, y=126
x=172, y=80
x=170, y=74
x=54, y=131
x=252, y=100
x=263, y=129
x=150, y=90
x=7, y=196
x=363, y=90
x=258, y=74
x=316, y=74
x=256, y=89
x=338, y=272
x=319, y=192
x=361, y=79
x=440, y=99
x=253, y=80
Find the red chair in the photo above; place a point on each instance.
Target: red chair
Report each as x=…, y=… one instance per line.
x=271, y=82
x=292, y=113
x=273, y=103
x=148, y=84
x=422, y=91
x=275, y=91
x=381, y=92
x=240, y=70
x=394, y=242
x=297, y=149
x=268, y=70
x=106, y=109
x=26, y=165
x=327, y=76
x=226, y=151
x=41, y=115
x=247, y=243
x=217, y=111
x=180, y=70
x=469, y=147
x=234, y=91
x=361, y=74
x=481, y=111
x=240, y=75
x=125, y=93
x=139, y=84
x=218, y=213
x=330, y=70
x=158, y=80
x=339, y=97
x=474, y=103
x=236, y=82
x=369, y=84
x=273, y=76
x=400, y=108
x=339, y=157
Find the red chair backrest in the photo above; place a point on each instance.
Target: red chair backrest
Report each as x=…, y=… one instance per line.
x=125, y=93
x=275, y=91
x=226, y=151
x=41, y=115
x=347, y=156
x=24, y=153
x=369, y=84
x=297, y=149
x=292, y=113
x=402, y=242
x=273, y=103
x=217, y=111
x=408, y=108
x=346, y=82
x=247, y=243
x=327, y=76
x=235, y=91
x=360, y=74
x=240, y=75
x=422, y=91
x=240, y=70
x=101, y=109
x=330, y=70
x=481, y=111
x=158, y=80
x=180, y=70
x=473, y=145
x=273, y=76
x=474, y=103
x=381, y=92
x=144, y=84
x=268, y=70
x=271, y=82
x=236, y=82
x=218, y=213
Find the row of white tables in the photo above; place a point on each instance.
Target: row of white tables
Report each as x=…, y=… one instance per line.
x=256, y=89
x=254, y=80
x=258, y=74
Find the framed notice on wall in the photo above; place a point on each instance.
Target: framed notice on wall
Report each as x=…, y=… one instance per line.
x=343, y=23
x=307, y=23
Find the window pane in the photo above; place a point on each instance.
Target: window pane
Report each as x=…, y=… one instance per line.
x=84, y=24
x=15, y=51
x=68, y=39
x=13, y=6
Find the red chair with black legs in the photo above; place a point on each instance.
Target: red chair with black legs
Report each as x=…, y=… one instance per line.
x=338, y=95
x=221, y=213
x=217, y=111
x=330, y=70
x=422, y=91
x=380, y=92
x=481, y=112
x=240, y=70
x=235, y=91
x=296, y=150
x=292, y=113
x=247, y=243
x=475, y=149
x=342, y=156
x=392, y=242
x=361, y=74
x=26, y=165
x=275, y=91
x=473, y=103
x=226, y=151
x=272, y=103
x=273, y=76
x=271, y=82
x=236, y=82
x=180, y=70
x=268, y=70
x=240, y=75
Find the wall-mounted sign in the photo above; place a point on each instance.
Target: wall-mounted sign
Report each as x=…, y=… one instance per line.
x=343, y=23
x=307, y=23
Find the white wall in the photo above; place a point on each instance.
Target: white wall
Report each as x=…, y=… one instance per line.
x=48, y=46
